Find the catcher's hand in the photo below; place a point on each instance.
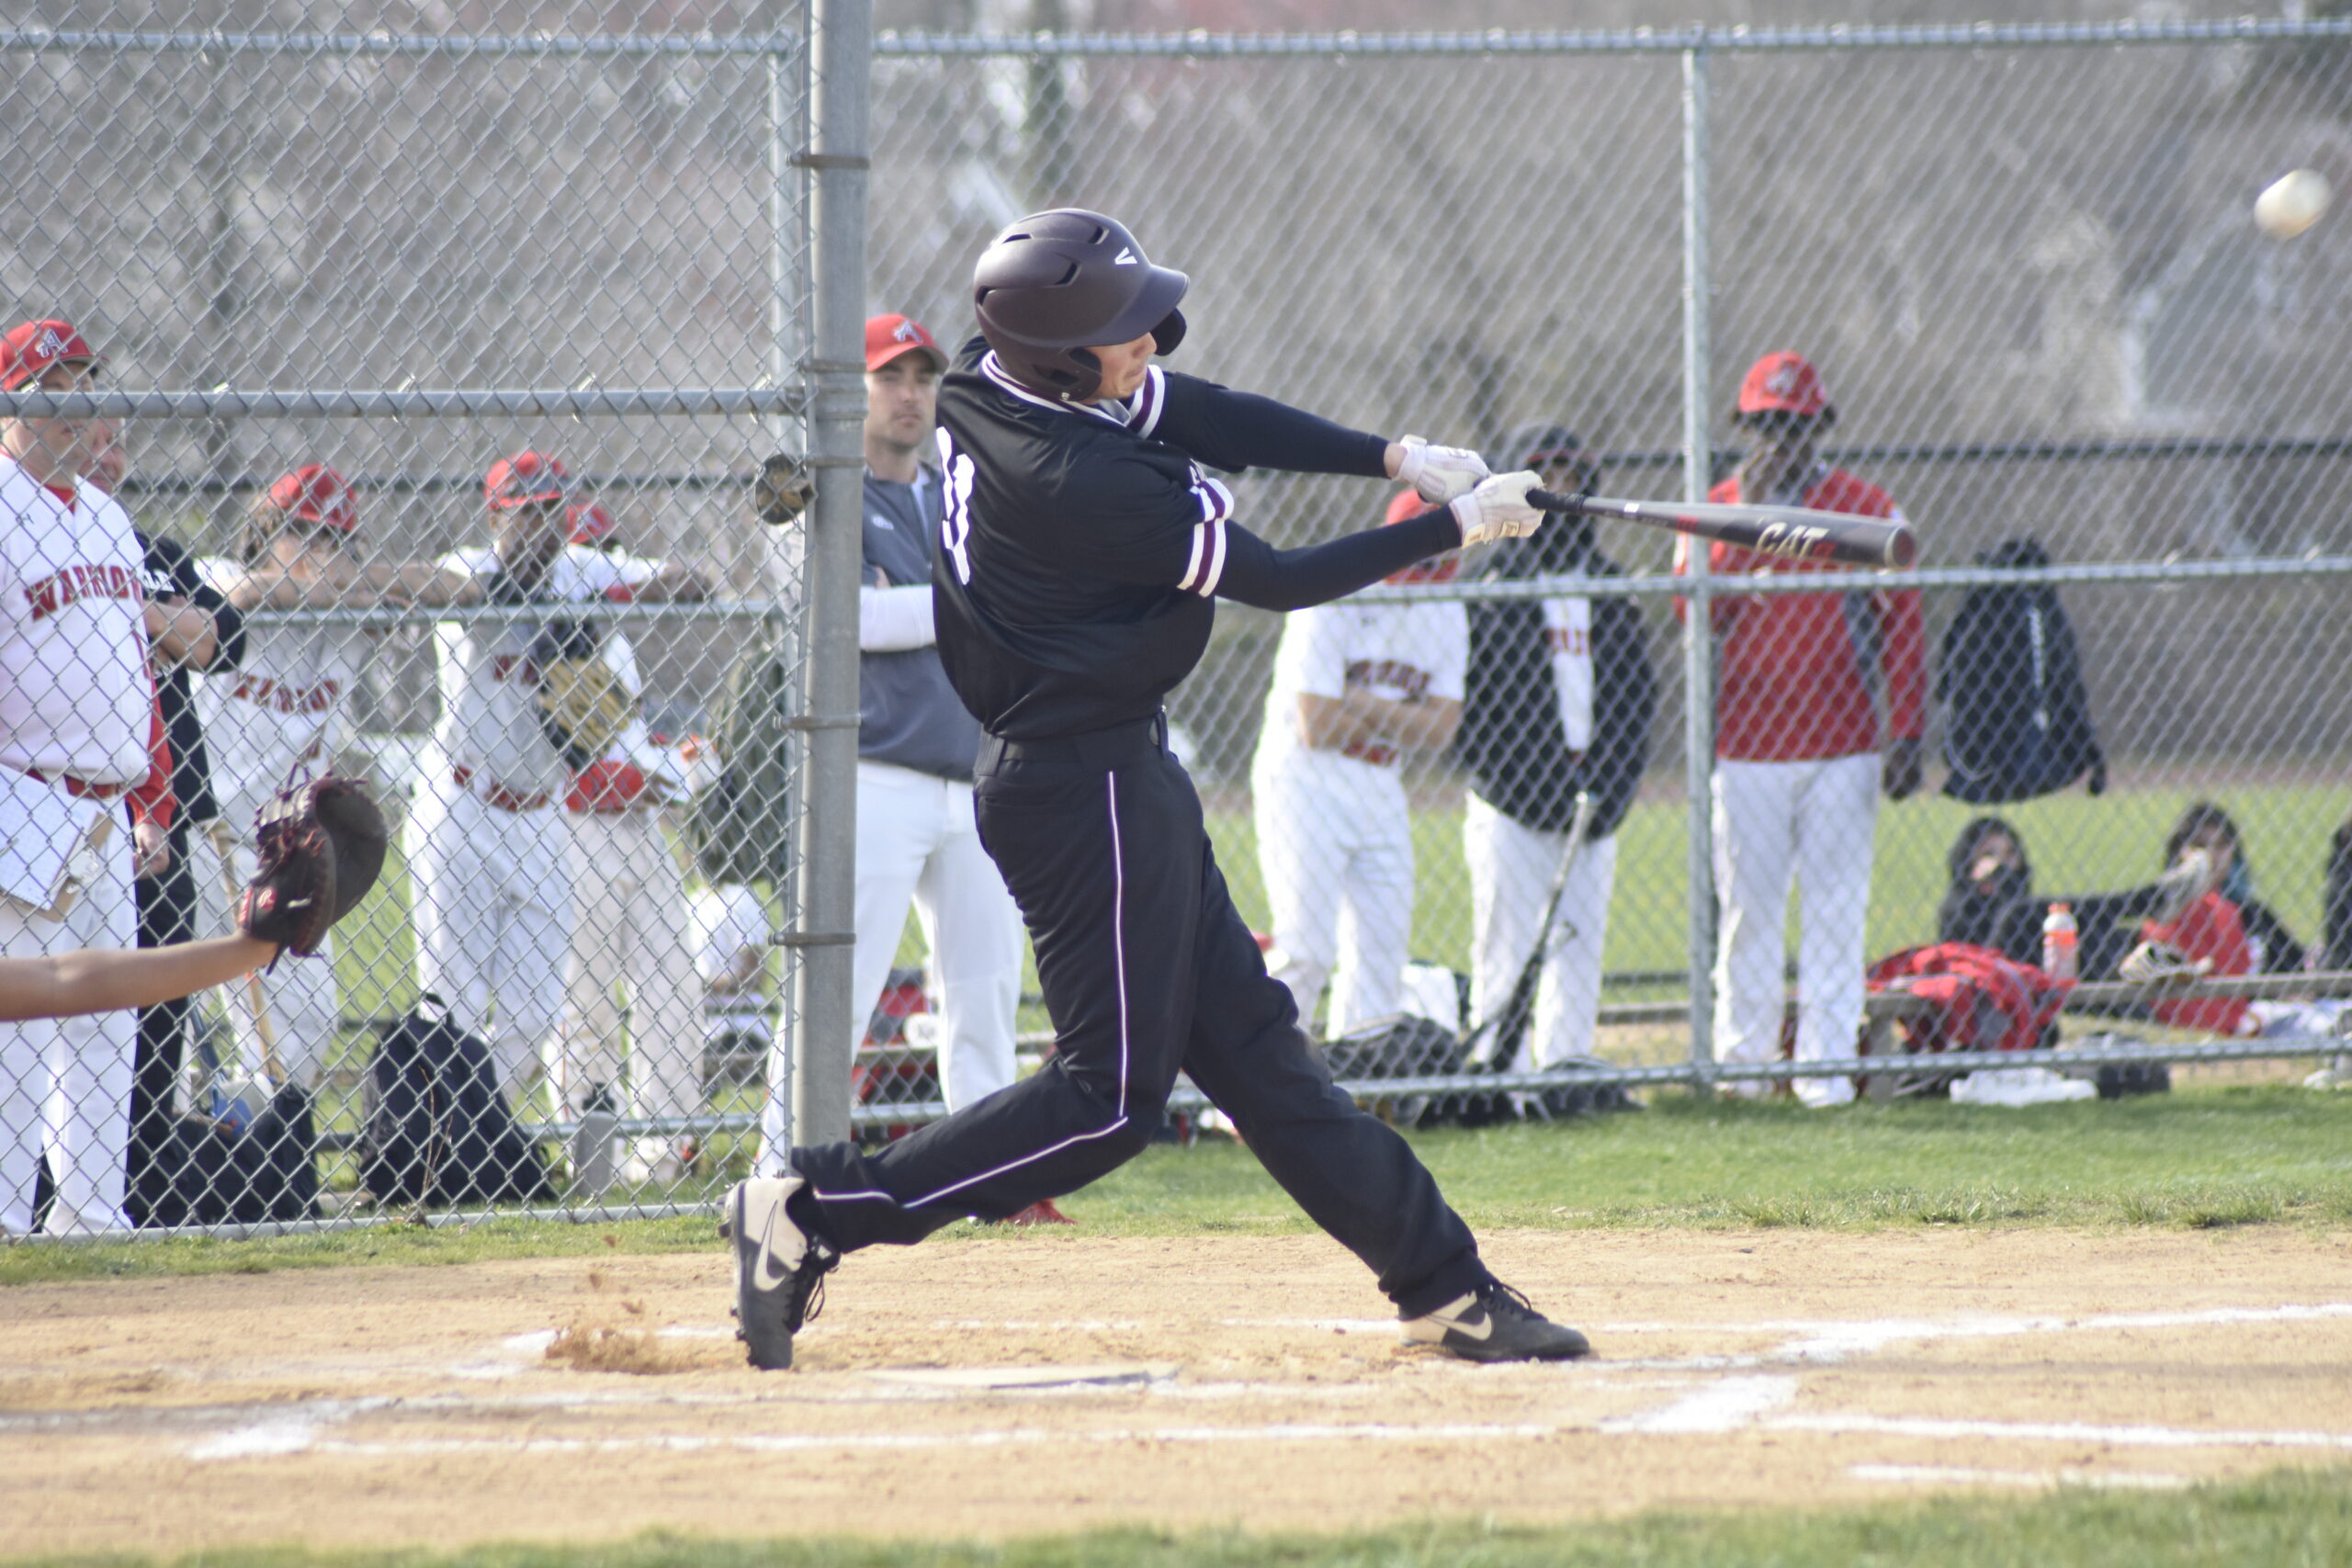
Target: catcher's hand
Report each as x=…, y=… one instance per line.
x=783, y=490
x=583, y=707
x=321, y=848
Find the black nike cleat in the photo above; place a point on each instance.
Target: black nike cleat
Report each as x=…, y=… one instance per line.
x=779, y=1270
x=1494, y=1323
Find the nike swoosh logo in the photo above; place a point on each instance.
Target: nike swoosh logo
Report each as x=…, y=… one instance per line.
x=1125, y=258
x=764, y=1277
x=1480, y=1329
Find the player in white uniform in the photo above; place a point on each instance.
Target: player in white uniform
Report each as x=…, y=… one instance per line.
x=488, y=853
x=283, y=712
x=631, y=918
x=79, y=732
x=1355, y=687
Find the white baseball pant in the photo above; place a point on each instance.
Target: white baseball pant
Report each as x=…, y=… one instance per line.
x=1810, y=823
x=66, y=1082
x=1511, y=867
x=299, y=994
x=491, y=893
x=632, y=922
x=917, y=839
x=1335, y=846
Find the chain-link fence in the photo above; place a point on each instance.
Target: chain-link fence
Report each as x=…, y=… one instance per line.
x=2019, y=259
x=432, y=366
x=2022, y=260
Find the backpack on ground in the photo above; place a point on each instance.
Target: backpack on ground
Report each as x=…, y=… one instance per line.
x=434, y=1128
x=1979, y=1000
x=213, y=1170
x=736, y=820
x=2017, y=715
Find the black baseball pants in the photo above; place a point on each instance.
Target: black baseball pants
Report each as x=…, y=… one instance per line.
x=167, y=905
x=1148, y=970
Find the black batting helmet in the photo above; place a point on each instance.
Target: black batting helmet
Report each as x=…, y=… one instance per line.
x=1058, y=283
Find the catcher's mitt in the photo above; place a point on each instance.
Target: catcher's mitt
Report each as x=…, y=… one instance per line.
x=584, y=707
x=783, y=490
x=321, y=847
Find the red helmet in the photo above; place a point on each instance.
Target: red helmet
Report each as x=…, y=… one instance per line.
x=591, y=524
x=1058, y=283
x=315, y=493
x=524, y=477
x=1437, y=568
x=32, y=347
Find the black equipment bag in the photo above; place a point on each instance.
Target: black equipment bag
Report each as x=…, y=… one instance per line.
x=435, y=1129
x=209, y=1172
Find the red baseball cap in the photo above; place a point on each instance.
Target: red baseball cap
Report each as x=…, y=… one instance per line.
x=1437, y=568
x=887, y=337
x=32, y=347
x=316, y=494
x=591, y=524
x=524, y=477
x=1785, y=382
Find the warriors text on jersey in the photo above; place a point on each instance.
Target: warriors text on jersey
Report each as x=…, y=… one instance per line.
x=283, y=707
x=77, y=698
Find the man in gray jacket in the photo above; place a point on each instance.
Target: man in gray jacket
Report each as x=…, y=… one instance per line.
x=916, y=744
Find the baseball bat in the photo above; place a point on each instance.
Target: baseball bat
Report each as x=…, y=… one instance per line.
x=1797, y=532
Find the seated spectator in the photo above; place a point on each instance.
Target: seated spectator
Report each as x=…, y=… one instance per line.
x=1991, y=902
x=2335, y=918
x=2271, y=947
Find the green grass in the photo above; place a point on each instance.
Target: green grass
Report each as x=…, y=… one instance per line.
x=2287, y=1518
x=2078, y=845
x=2203, y=1158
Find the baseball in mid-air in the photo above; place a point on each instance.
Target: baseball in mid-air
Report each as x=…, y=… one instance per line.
x=2292, y=204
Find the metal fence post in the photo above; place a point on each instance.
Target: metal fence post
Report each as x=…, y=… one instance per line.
x=790, y=231
x=828, y=870
x=1697, y=641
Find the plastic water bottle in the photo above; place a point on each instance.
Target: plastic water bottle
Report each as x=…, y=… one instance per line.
x=2059, y=940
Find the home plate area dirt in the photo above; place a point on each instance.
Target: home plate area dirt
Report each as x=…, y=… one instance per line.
x=1015, y=1385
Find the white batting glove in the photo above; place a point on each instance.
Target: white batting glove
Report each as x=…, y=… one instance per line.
x=1498, y=509
x=1438, y=473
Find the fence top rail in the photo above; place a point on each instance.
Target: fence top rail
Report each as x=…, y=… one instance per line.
x=402, y=404
x=718, y=610
x=1201, y=42
x=2024, y=449
x=1472, y=589
x=82, y=40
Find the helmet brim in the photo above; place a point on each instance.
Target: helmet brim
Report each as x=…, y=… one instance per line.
x=1163, y=289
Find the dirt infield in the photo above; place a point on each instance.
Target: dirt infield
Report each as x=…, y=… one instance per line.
x=1019, y=1385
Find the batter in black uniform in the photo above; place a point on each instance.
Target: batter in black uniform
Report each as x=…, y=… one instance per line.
x=1082, y=547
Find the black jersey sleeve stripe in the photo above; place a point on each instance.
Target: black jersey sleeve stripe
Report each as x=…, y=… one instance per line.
x=1193, y=567
x=1143, y=416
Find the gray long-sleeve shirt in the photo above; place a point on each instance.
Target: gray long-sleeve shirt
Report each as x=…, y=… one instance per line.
x=907, y=713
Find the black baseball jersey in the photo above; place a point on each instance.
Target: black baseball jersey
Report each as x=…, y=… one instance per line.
x=1083, y=546
x=171, y=574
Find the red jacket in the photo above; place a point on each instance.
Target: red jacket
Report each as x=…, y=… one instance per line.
x=1789, y=683
x=2207, y=929
x=152, y=800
